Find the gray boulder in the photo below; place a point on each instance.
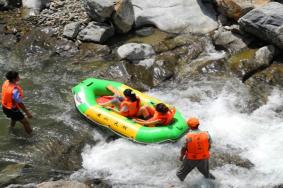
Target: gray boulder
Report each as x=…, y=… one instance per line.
x=175, y=16
x=266, y=23
x=71, y=30
x=99, y=10
x=135, y=51
x=123, y=18
x=96, y=32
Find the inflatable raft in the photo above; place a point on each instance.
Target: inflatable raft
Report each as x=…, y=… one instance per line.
x=88, y=91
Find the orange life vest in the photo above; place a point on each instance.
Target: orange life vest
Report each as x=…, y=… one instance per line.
x=133, y=107
x=7, y=94
x=197, y=145
x=165, y=119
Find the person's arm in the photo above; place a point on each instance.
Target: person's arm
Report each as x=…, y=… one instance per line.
x=149, y=122
x=23, y=107
x=115, y=91
x=183, y=152
x=18, y=99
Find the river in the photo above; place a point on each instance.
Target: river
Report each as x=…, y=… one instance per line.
x=221, y=105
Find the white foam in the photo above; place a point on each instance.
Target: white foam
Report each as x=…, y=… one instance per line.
x=257, y=137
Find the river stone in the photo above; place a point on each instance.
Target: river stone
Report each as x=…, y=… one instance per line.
x=71, y=30
x=266, y=23
x=175, y=16
x=62, y=184
x=237, y=8
x=99, y=10
x=123, y=17
x=10, y=173
x=135, y=51
x=96, y=32
x=229, y=41
x=146, y=31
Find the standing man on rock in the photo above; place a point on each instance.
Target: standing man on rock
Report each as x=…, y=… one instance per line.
x=12, y=96
x=195, y=152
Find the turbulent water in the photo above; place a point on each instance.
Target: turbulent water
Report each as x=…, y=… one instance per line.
x=255, y=136
x=220, y=104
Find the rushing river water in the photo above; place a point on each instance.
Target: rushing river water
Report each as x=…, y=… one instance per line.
x=220, y=104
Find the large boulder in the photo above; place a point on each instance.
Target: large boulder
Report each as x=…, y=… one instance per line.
x=237, y=8
x=99, y=10
x=266, y=23
x=175, y=15
x=96, y=32
x=123, y=17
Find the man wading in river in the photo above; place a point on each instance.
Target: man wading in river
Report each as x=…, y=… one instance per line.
x=12, y=95
x=195, y=151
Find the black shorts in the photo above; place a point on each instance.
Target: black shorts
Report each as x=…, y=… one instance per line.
x=14, y=114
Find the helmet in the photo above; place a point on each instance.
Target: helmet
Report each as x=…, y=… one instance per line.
x=193, y=122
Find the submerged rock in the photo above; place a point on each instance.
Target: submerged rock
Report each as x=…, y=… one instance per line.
x=10, y=173
x=62, y=184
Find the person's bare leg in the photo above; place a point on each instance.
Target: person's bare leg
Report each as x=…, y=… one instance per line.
x=13, y=123
x=26, y=125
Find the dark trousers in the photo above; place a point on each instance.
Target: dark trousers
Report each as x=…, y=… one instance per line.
x=189, y=165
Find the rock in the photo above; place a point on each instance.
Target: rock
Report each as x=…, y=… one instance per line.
x=71, y=30
x=10, y=173
x=123, y=17
x=229, y=41
x=62, y=184
x=176, y=16
x=266, y=23
x=30, y=185
x=10, y=4
x=254, y=61
x=90, y=50
x=66, y=48
x=96, y=32
x=146, y=31
x=237, y=8
x=35, y=6
x=135, y=51
x=99, y=10
x=8, y=41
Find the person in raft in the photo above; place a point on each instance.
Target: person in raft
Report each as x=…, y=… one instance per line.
x=12, y=101
x=195, y=152
x=161, y=115
x=128, y=103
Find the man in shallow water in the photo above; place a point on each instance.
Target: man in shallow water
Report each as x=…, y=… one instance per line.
x=195, y=152
x=12, y=101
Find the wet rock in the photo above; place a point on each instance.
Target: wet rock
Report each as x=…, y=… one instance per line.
x=219, y=158
x=135, y=51
x=145, y=31
x=266, y=23
x=176, y=16
x=257, y=61
x=66, y=48
x=30, y=185
x=8, y=41
x=96, y=32
x=229, y=41
x=237, y=8
x=62, y=184
x=99, y=10
x=71, y=30
x=10, y=173
x=89, y=50
x=262, y=83
x=123, y=17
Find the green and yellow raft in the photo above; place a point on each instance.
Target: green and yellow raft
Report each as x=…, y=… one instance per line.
x=85, y=95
